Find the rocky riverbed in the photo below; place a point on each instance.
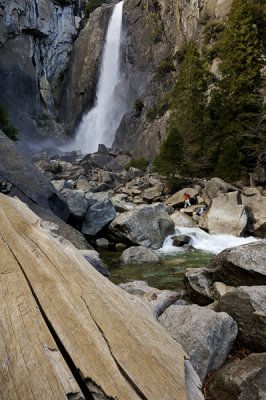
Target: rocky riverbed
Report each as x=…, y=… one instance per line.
x=223, y=307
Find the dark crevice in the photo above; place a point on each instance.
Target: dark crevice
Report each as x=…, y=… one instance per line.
x=74, y=370
x=121, y=369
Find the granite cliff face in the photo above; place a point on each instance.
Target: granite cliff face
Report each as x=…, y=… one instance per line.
x=79, y=86
x=155, y=31
x=50, y=59
x=36, y=38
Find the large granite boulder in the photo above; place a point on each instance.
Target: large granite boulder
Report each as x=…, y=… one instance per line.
x=247, y=305
x=205, y=335
x=252, y=198
x=145, y=225
x=215, y=187
x=240, y=380
x=28, y=183
x=242, y=265
x=181, y=219
x=226, y=215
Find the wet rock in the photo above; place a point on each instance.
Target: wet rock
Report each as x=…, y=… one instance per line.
x=139, y=255
x=180, y=240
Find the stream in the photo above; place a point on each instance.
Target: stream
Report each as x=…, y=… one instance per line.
x=174, y=260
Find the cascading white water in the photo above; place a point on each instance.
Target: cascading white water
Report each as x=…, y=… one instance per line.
x=101, y=122
x=204, y=241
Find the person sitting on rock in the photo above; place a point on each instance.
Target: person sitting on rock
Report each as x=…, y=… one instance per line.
x=187, y=200
x=201, y=210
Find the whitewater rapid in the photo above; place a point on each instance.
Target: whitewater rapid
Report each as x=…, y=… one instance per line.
x=202, y=240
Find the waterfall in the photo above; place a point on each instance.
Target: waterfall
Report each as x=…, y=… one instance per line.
x=100, y=123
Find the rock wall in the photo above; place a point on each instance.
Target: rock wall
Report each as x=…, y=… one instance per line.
x=36, y=38
x=79, y=87
x=156, y=30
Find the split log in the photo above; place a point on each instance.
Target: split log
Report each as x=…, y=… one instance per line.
x=68, y=332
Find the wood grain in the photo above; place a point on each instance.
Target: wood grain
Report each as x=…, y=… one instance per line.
x=49, y=291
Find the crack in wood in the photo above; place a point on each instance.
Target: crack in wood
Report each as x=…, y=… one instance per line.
x=74, y=370
x=119, y=366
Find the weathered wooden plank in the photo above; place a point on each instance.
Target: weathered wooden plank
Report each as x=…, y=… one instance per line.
x=114, y=342
x=27, y=349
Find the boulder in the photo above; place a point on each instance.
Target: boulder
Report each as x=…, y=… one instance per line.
x=240, y=379
x=215, y=187
x=139, y=255
x=83, y=184
x=153, y=193
x=247, y=305
x=180, y=240
x=205, y=335
x=181, y=219
x=198, y=284
x=76, y=201
x=178, y=198
x=253, y=199
x=242, y=265
x=100, y=212
x=145, y=225
x=106, y=162
x=226, y=215
x=28, y=183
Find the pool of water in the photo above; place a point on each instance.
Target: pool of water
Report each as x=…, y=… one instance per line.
x=168, y=274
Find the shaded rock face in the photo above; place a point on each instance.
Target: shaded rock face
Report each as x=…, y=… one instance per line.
x=247, y=306
x=240, y=379
x=28, y=183
x=35, y=41
x=79, y=87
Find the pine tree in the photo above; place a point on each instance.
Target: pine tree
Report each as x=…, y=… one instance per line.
x=238, y=102
x=181, y=152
